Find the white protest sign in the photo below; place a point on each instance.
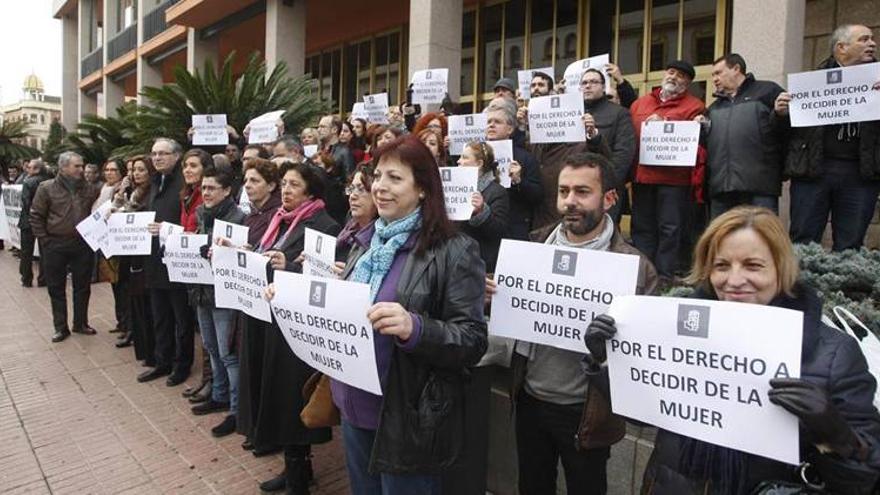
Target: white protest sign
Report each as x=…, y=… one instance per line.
x=557, y=119
x=324, y=321
x=503, y=151
x=93, y=229
x=5, y=233
x=834, y=96
x=459, y=184
x=358, y=111
x=429, y=86
x=128, y=235
x=702, y=369
x=166, y=229
x=669, y=143
x=466, y=128
x=376, y=107
x=264, y=129
x=310, y=150
x=238, y=234
x=319, y=254
x=576, y=69
x=244, y=203
x=12, y=210
x=549, y=294
x=209, y=130
x=184, y=261
x=524, y=79
x=239, y=281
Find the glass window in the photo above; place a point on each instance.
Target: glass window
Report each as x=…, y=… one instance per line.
x=601, y=28
x=514, y=37
x=351, y=69
x=542, y=34
x=664, y=33
x=631, y=31
x=468, y=41
x=698, y=41
x=566, y=35
x=491, y=55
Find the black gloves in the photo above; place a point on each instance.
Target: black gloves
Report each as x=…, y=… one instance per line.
x=203, y=251
x=812, y=405
x=600, y=329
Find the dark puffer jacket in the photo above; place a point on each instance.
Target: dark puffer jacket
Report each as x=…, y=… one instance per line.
x=830, y=359
x=746, y=141
x=806, y=147
x=227, y=211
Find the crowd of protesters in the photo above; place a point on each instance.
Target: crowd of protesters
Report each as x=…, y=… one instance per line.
x=377, y=188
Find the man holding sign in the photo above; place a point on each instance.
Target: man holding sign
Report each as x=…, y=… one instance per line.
x=836, y=172
x=662, y=194
x=549, y=381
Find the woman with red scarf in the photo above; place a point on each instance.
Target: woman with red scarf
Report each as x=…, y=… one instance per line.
x=283, y=374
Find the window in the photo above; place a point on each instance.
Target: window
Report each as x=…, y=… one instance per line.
x=126, y=13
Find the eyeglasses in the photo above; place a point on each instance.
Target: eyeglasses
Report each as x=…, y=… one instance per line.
x=358, y=189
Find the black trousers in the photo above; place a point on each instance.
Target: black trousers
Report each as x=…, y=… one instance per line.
x=59, y=257
x=173, y=321
x=545, y=433
x=26, y=259
x=659, y=215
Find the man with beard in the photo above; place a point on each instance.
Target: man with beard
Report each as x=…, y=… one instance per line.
x=550, y=388
x=661, y=194
x=541, y=85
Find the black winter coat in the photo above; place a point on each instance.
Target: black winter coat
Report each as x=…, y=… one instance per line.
x=525, y=197
x=806, y=147
x=745, y=141
x=489, y=233
x=829, y=358
x=200, y=294
x=616, y=128
x=166, y=203
x=28, y=190
x=421, y=423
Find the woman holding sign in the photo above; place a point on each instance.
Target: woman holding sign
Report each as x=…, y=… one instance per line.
x=427, y=286
x=491, y=203
x=283, y=374
x=195, y=161
x=745, y=256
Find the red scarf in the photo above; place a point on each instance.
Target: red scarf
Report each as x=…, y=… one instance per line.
x=302, y=212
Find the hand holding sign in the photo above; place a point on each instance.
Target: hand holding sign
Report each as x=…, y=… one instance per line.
x=390, y=318
x=599, y=332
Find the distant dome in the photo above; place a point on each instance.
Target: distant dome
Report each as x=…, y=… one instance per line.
x=32, y=84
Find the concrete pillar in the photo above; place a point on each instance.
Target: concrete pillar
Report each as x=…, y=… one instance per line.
x=435, y=39
x=111, y=26
x=114, y=97
x=69, y=70
x=286, y=35
x=86, y=104
x=199, y=50
x=147, y=75
x=779, y=27
x=83, y=20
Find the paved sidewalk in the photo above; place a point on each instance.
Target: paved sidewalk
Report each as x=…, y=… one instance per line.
x=73, y=419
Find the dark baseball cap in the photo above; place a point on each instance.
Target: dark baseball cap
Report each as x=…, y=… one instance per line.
x=683, y=66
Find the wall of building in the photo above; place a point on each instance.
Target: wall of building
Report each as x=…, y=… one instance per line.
x=824, y=15
x=330, y=23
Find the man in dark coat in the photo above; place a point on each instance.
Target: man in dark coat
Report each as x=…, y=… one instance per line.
x=36, y=175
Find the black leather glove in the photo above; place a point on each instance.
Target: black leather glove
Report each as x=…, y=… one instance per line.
x=203, y=250
x=812, y=405
x=600, y=329
x=162, y=251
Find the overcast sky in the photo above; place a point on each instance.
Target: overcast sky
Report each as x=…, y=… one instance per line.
x=30, y=40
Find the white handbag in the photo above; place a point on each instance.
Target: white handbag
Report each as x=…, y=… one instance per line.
x=869, y=342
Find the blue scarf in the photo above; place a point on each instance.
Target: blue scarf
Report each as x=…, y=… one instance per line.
x=388, y=237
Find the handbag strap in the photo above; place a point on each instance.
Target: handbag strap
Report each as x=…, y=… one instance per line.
x=842, y=314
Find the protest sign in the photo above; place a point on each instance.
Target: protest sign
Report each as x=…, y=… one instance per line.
x=548, y=294
x=503, y=151
x=459, y=184
x=466, y=128
x=524, y=80
x=237, y=234
x=184, y=260
x=310, y=150
x=209, y=130
x=93, y=229
x=376, y=107
x=239, y=280
x=319, y=254
x=4, y=222
x=166, y=229
x=11, y=198
x=834, y=96
x=557, y=119
x=429, y=86
x=264, y=129
x=669, y=143
x=324, y=321
x=576, y=69
x=702, y=369
x=358, y=111
x=128, y=235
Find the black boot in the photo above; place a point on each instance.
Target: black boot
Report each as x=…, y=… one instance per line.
x=275, y=484
x=296, y=469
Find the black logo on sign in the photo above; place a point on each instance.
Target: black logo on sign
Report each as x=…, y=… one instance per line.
x=229, y=231
x=586, y=64
x=319, y=242
x=129, y=219
x=428, y=75
x=317, y=294
x=834, y=77
x=371, y=99
x=209, y=119
x=446, y=175
x=693, y=321
x=564, y=262
x=554, y=102
x=668, y=128
x=184, y=242
x=242, y=260
x=469, y=120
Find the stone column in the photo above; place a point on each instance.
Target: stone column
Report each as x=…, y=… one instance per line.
x=114, y=94
x=772, y=43
x=86, y=104
x=199, y=50
x=286, y=35
x=147, y=75
x=435, y=39
x=70, y=60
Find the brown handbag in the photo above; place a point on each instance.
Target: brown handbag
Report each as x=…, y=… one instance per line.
x=319, y=411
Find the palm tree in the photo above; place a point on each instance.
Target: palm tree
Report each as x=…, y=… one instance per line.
x=98, y=139
x=10, y=149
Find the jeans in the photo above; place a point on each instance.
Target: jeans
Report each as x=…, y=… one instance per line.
x=26, y=261
x=358, y=445
x=659, y=215
x=545, y=433
x=173, y=328
x=75, y=256
x=840, y=192
x=720, y=203
x=217, y=327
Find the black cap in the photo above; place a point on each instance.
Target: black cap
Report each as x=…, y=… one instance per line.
x=684, y=67
x=506, y=83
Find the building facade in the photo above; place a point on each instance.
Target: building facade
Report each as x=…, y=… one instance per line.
x=36, y=108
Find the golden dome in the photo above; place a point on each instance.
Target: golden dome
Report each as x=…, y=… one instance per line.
x=33, y=84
